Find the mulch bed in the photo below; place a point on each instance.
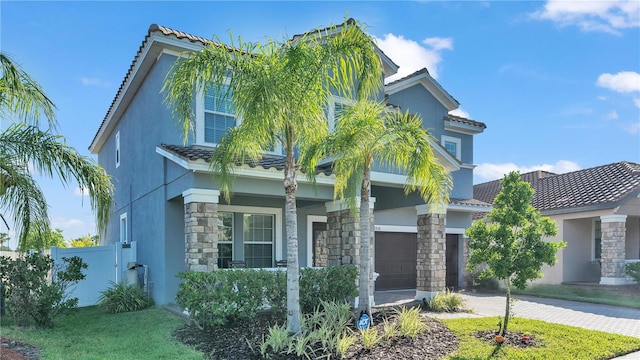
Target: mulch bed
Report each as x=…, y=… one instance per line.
x=232, y=341
x=513, y=339
x=11, y=349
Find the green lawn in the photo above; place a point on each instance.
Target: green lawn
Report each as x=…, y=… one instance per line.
x=559, y=341
x=91, y=333
x=601, y=295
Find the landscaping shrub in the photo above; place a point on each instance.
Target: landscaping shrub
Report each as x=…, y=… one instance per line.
x=323, y=334
x=215, y=298
x=37, y=289
x=633, y=270
x=330, y=284
x=123, y=297
x=447, y=301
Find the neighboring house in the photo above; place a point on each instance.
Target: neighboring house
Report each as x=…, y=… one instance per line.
x=167, y=201
x=598, y=214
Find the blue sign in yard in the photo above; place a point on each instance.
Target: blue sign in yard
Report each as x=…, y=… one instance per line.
x=364, y=321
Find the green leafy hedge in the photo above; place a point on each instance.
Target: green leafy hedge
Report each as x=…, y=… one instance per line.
x=215, y=298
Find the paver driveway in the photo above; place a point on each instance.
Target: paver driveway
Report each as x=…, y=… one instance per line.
x=612, y=319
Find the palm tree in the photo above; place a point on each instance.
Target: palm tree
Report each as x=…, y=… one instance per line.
x=24, y=148
x=280, y=90
x=369, y=133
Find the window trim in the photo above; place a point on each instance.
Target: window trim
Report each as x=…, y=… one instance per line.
x=233, y=230
x=277, y=241
x=445, y=138
x=245, y=242
x=118, y=154
x=331, y=111
x=124, y=231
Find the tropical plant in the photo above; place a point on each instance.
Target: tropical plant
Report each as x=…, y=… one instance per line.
x=123, y=297
x=37, y=289
x=368, y=133
x=37, y=239
x=510, y=241
x=24, y=148
x=447, y=301
x=410, y=322
x=85, y=241
x=280, y=89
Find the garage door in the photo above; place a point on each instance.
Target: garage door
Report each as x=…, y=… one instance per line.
x=395, y=260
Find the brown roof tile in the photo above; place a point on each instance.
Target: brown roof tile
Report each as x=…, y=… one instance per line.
x=465, y=121
x=194, y=153
x=600, y=186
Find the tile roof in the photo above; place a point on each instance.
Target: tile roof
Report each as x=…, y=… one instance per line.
x=598, y=187
x=465, y=121
x=468, y=202
x=194, y=153
x=414, y=74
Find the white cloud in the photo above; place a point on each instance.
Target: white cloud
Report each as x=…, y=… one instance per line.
x=412, y=56
x=632, y=129
x=488, y=171
x=602, y=98
x=460, y=112
x=623, y=82
x=612, y=115
x=88, y=81
x=81, y=192
x=603, y=16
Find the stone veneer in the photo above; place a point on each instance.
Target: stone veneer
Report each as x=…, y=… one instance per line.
x=201, y=229
x=321, y=252
x=432, y=248
x=343, y=233
x=613, y=249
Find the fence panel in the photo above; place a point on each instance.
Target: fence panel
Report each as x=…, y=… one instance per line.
x=102, y=269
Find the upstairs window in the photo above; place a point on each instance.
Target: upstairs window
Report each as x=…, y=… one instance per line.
x=218, y=113
x=452, y=145
x=117, y=149
x=340, y=104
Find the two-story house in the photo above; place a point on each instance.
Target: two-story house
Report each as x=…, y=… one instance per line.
x=167, y=202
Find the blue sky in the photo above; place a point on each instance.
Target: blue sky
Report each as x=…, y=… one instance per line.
x=557, y=83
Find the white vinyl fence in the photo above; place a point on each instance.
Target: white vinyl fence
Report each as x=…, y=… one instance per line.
x=106, y=263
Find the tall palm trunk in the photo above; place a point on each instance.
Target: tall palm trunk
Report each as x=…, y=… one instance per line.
x=364, y=303
x=291, y=220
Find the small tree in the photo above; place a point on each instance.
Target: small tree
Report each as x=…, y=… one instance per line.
x=84, y=241
x=510, y=242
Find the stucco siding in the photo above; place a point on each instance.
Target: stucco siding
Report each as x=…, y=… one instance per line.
x=632, y=245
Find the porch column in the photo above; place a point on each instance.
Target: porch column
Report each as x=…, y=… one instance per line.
x=343, y=237
x=432, y=247
x=613, y=251
x=201, y=229
x=343, y=234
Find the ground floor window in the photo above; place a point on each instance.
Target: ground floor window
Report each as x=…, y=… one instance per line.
x=225, y=239
x=258, y=240
x=246, y=238
x=597, y=239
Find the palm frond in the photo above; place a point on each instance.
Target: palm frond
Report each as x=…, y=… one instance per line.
x=21, y=96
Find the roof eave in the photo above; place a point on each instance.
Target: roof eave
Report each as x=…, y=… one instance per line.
x=426, y=80
x=153, y=47
x=462, y=128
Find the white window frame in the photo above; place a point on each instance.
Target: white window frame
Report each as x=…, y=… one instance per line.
x=246, y=242
x=455, y=140
x=277, y=241
x=124, y=229
x=233, y=233
x=331, y=112
x=118, y=152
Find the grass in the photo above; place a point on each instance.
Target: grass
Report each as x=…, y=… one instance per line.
x=585, y=294
x=559, y=341
x=90, y=333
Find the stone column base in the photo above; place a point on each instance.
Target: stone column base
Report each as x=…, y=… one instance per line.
x=428, y=295
x=613, y=281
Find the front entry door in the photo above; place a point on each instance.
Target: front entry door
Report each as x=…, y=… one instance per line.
x=452, y=261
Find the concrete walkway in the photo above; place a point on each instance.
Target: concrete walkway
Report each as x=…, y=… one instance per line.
x=611, y=319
